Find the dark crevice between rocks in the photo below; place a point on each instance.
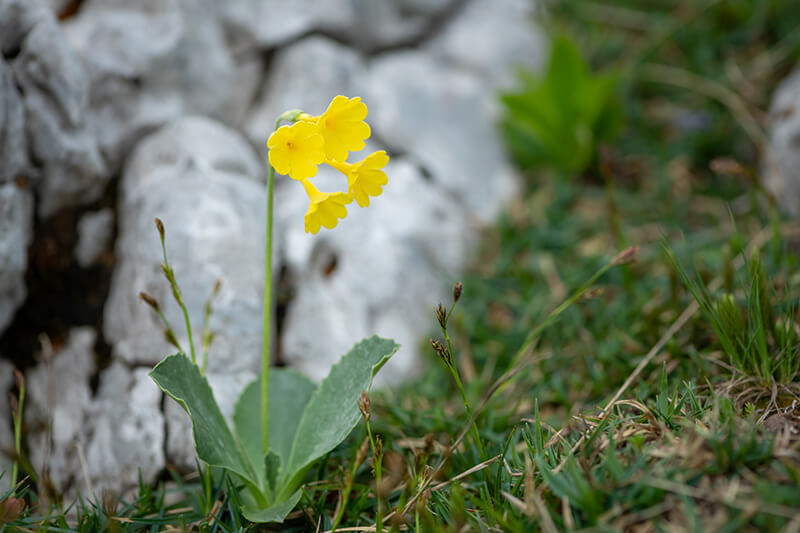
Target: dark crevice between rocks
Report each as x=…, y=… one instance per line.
x=61, y=294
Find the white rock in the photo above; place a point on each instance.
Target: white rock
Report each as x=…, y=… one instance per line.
x=444, y=118
x=55, y=91
x=14, y=161
x=267, y=23
x=16, y=232
x=94, y=233
x=6, y=433
x=58, y=401
x=154, y=61
x=364, y=24
x=493, y=38
x=391, y=269
x=293, y=85
x=127, y=431
x=213, y=205
x=782, y=167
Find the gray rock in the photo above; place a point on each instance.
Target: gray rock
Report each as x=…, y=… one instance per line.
x=363, y=24
x=782, y=166
x=493, y=38
x=390, y=270
x=55, y=92
x=58, y=401
x=90, y=444
x=267, y=23
x=444, y=118
x=212, y=202
x=17, y=18
x=127, y=431
x=94, y=233
x=6, y=427
x=154, y=61
x=16, y=232
x=292, y=85
x=13, y=139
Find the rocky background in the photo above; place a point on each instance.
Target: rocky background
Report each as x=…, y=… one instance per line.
x=113, y=112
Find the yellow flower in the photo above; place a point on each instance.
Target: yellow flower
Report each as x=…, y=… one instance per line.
x=326, y=208
x=365, y=178
x=343, y=127
x=296, y=150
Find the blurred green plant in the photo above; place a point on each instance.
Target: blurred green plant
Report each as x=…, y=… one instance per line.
x=559, y=119
x=756, y=332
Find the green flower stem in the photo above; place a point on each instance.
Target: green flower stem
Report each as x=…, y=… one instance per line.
x=176, y=293
x=266, y=331
x=454, y=371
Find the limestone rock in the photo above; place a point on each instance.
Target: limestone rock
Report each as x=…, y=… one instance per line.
x=154, y=61
x=212, y=202
x=94, y=233
x=782, y=167
x=13, y=137
x=493, y=38
x=55, y=93
x=363, y=24
x=127, y=430
x=16, y=232
x=444, y=118
x=58, y=401
x=267, y=23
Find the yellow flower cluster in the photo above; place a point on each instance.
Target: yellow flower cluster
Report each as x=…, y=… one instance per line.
x=297, y=150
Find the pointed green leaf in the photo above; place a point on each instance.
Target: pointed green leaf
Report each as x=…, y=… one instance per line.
x=275, y=513
x=215, y=444
x=289, y=392
x=332, y=412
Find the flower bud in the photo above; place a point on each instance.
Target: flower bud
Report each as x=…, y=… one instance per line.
x=458, y=288
x=626, y=256
x=364, y=406
x=442, y=351
x=441, y=316
x=149, y=300
x=160, y=227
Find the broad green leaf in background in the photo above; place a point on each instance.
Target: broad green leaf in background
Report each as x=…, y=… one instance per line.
x=289, y=392
x=558, y=119
x=215, y=443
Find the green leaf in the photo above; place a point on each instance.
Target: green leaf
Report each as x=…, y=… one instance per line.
x=289, y=392
x=215, y=444
x=332, y=412
x=275, y=513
